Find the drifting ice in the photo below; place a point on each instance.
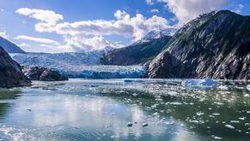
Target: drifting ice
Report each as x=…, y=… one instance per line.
x=248, y=87
x=199, y=83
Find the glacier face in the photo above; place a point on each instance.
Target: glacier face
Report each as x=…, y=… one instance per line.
x=79, y=65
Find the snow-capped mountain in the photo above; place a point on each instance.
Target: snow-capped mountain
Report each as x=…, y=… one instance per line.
x=156, y=34
x=9, y=46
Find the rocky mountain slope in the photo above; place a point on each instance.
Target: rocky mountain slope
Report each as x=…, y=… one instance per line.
x=11, y=74
x=9, y=46
x=215, y=45
x=137, y=53
x=43, y=74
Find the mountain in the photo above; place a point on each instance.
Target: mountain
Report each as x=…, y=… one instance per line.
x=137, y=53
x=9, y=46
x=215, y=45
x=11, y=74
x=156, y=34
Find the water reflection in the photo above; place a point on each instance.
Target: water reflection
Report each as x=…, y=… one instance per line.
x=101, y=109
x=6, y=97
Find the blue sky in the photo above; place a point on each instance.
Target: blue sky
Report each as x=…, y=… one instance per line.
x=83, y=25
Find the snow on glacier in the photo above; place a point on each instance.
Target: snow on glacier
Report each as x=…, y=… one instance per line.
x=79, y=65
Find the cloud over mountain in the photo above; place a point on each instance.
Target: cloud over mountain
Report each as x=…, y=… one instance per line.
x=75, y=33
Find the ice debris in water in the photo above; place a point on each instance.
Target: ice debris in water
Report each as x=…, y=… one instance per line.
x=199, y=83
x=229, y=126
x=222, y=87
x=130, y=124
x=216, y=137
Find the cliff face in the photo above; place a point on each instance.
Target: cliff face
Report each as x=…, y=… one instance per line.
x=135, y=54
x=215, y=45
x=11, y=74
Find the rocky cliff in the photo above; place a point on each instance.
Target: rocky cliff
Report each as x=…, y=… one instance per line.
x=43, y=74
x=11, y=74
x=215, y=45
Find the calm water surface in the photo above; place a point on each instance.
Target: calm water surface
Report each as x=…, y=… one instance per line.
x=82, y=109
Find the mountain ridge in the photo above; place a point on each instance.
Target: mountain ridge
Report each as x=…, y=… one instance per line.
x=10, y=47
x=207, y=48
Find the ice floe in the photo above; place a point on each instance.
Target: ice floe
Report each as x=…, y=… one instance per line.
x=199, y=83
x=248, y=87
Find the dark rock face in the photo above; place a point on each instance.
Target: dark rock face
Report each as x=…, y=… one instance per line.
x=11, y=74
x=43, y=74
x=135, y=54
x=216, y=45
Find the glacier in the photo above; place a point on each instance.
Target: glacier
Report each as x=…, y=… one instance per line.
x=79, y=65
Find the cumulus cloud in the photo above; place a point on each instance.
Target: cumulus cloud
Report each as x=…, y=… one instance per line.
x=186, y=10
x=78, y=43
x=47, y=18
x=125, y=25
x=90, y=34
x=38, y=40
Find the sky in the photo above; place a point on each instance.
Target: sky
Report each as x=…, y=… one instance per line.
x=84, y=25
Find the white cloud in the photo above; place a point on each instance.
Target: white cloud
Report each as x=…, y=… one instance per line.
x=186, y=10
x=47, y=18
x=38, y=40
x=89, y=34
x=125, y=25
x=154, y=11
x=150, y=2
x=239, y=8
x=135, y=27
x=78, y=43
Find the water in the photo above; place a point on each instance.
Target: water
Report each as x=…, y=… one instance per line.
x=83, y=109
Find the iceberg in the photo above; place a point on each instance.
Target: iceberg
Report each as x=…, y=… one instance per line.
x=199, y=83
x=248, y=87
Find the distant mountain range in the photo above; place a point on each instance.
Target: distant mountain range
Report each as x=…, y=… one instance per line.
x=215, y=45
x=9, y=46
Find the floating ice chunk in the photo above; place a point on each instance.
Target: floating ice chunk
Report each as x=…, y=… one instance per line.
x=229, y=126
x=223, y=87
x=216, y=114
x=199, y=83
x=235, y=121
x=248, y=87
x=216, y=137
x=144, y=124
x=199, y=113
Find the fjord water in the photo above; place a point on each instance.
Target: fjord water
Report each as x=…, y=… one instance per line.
x=82, y=109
